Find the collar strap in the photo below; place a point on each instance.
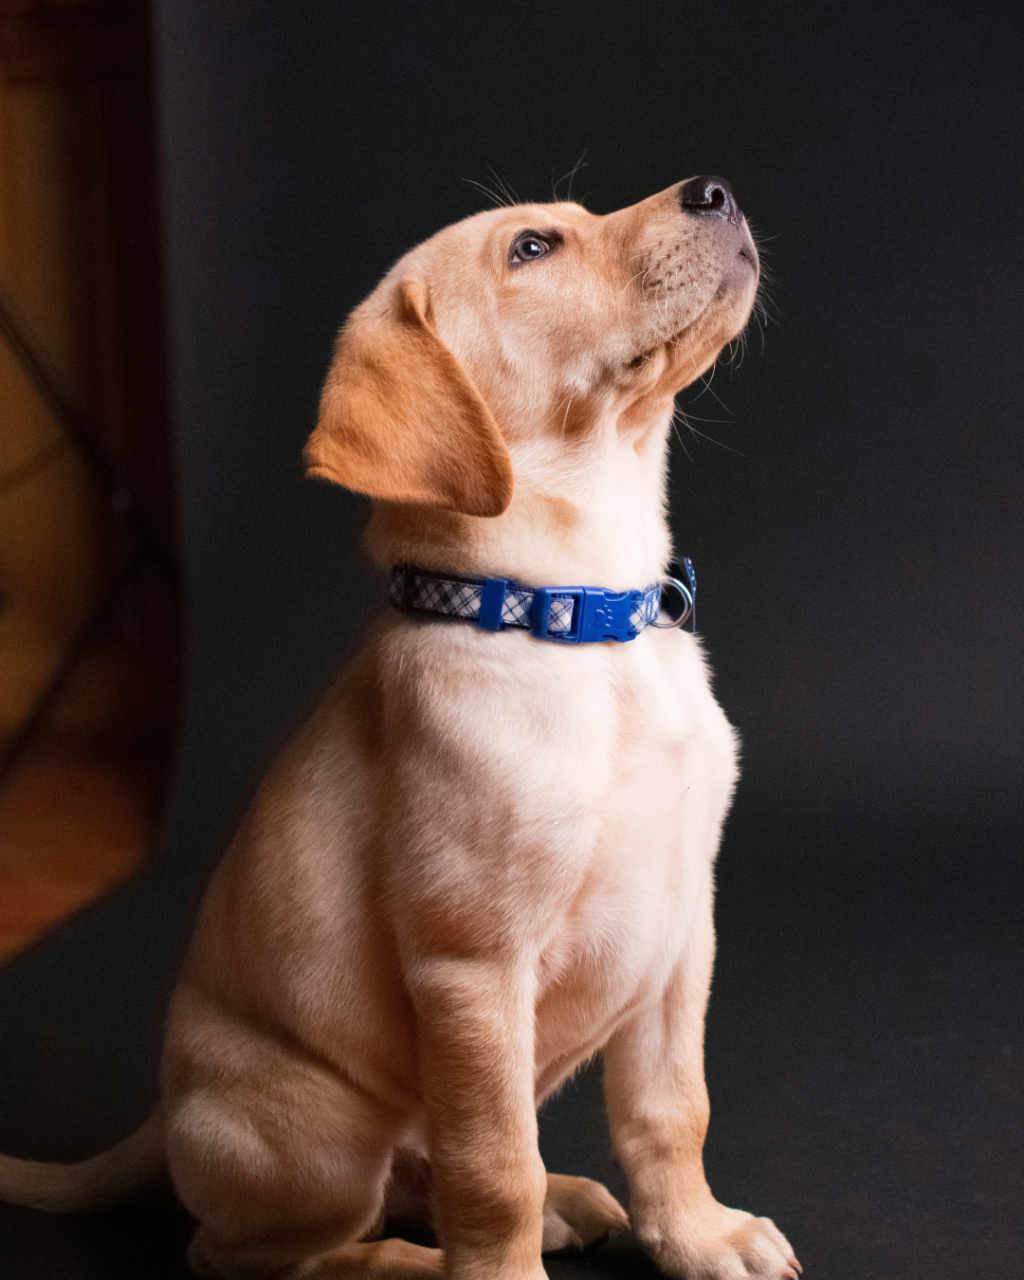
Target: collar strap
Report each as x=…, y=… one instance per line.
x=570, y=615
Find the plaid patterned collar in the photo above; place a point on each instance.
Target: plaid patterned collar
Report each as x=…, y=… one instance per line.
x=570, y=615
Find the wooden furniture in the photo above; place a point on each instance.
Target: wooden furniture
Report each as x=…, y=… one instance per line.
x=90, y=614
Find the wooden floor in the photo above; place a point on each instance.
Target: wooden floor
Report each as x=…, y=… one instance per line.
x=72, y=825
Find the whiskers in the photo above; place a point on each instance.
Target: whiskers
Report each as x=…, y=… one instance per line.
x=565, y=415
x=567, y=178
x=680, y=417
x=502, y=195
x=736, y=351
x=685, y=418
x=765, y=311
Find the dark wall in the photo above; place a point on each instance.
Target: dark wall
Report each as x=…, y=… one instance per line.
x=856, y=528
x=856, y=515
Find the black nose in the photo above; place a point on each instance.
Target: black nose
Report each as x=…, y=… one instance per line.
x=709, y=195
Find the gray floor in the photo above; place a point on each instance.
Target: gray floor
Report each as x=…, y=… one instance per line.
x=866, y=1085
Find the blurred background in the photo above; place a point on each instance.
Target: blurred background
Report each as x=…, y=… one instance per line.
x=91, y=623
x=208, y=186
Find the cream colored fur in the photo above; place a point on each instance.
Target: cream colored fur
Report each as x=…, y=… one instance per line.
x=484, y=858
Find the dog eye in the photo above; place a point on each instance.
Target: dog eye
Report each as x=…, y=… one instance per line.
x=528, y=246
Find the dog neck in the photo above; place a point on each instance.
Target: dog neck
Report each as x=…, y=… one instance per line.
x=588, y=508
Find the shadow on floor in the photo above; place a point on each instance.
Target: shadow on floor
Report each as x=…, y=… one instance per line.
x=865, y=1072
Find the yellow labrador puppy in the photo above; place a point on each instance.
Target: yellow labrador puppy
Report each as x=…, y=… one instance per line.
x=488, y=854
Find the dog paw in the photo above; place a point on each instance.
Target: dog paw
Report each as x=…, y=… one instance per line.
x=579, y=1212
x=724, y=1245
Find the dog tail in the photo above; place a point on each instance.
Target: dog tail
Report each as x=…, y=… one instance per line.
x=133, y=1165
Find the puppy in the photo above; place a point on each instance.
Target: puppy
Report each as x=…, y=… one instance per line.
x=487, y=856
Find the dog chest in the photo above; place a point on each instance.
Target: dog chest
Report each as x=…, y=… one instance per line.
x=563, y=802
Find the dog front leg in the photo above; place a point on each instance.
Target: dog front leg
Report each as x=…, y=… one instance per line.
x=476, y=1053
x=658, y=1111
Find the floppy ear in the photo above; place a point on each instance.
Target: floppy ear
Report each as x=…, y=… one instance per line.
x=400, y=419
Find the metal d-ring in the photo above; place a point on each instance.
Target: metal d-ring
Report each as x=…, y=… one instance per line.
x=687, y=598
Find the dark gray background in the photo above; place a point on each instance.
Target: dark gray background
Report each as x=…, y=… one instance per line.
x=857, y=532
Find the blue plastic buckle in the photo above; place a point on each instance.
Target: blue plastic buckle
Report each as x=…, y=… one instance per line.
x=492, y=603
x=597, y=614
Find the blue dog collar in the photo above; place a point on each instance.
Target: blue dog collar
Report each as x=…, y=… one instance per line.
x=569, y=615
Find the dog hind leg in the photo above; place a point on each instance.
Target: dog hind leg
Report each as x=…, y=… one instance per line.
x=579, y=1212
x=214, y=1259
x=284, y=1161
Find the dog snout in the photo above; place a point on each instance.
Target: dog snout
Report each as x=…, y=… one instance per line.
x=709, y=196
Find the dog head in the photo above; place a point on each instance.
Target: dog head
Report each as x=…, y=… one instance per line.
x=522, y=329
